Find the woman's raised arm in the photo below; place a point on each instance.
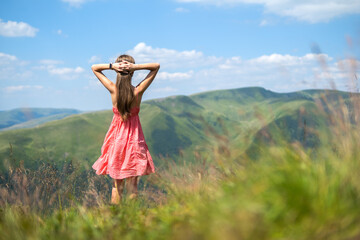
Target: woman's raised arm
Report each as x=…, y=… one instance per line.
x=97, y=69
x=125, y=66
x=144, y=84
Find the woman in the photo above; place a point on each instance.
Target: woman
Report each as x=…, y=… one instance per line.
x=124, y=153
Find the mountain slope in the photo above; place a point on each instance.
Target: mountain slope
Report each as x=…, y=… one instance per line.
x=30, y=117
x=177, y=126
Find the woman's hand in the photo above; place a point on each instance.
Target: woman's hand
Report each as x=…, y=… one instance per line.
x=123, y=66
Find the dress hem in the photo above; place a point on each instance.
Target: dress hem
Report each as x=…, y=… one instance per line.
x=126, y=176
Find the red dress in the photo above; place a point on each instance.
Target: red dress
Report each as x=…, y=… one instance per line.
x=124, y=152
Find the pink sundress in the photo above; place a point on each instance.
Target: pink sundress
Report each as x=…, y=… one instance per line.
x=124, y=152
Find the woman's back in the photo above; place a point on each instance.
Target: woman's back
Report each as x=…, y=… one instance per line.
x=136, y=102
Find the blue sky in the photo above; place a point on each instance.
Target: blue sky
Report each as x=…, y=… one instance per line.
x=48, y=47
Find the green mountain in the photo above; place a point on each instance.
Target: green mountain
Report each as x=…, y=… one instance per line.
x=176, y=127
x=31, y=117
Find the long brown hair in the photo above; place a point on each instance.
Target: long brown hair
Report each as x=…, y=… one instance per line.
x=125, y=95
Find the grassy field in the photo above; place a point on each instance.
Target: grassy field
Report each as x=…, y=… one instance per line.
x=289, y=192
x=176, y=126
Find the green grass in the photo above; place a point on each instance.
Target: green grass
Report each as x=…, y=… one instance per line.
x=291, y=191
x=286, y=195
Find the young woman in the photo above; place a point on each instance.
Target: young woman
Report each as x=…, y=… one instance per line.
x=124, y=153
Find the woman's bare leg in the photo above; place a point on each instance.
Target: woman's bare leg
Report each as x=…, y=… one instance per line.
x=117, y=191
x=132, y=186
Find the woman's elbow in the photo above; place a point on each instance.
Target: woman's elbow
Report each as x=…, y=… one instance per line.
x=157, y=65
x=95, y=68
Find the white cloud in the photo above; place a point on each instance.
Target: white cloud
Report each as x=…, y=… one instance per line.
x=94, y=59
x=348, y=64
x=230, y=63
x=12, y=68
x=65, y=71
x=317, y=11
x=306, y=10
x=75, y=3
x=264, y=23
x=186, y=72
x=51, y=66
x=11, y=89
x=6, y=58
x=277, y=72
x=164, y=76
x=17, y=29
x=287, y=59
x=165, y=90
x=174, y=76
x=50, y=62
x=181, y=10
x=171, y=58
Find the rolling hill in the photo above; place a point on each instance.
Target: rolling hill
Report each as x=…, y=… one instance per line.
x=31, y=117
x=175, y=127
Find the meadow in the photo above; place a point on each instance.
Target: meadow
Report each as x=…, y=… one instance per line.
x=301, y=183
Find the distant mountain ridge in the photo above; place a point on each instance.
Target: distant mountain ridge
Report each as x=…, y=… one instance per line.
x=178, y=126
x=31, y=117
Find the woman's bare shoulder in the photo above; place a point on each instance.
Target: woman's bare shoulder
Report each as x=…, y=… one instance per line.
x=138, y=96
